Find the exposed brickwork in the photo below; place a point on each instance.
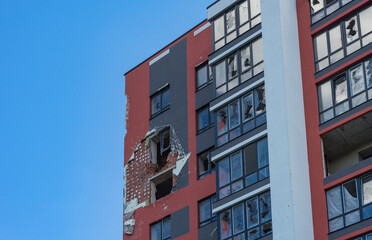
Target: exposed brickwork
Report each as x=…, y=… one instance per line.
x=140, y=169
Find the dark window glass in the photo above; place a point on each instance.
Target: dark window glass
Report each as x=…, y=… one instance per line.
x=205, y=211
x=161, y=230
x=160, y=101
x=205, y=119
x=202, y=76
x=205, y=165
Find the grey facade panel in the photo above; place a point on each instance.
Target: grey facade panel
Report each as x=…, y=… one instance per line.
x=205, y=140
x=350, y=229
x=241, y=193
x=180, y=222
x=172, y=69
x=182, y=178
x=204, y=96
x=208, y=232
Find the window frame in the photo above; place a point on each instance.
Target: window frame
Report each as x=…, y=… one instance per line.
x=212, y=216
x=162, y=108
x=315, y=14
x=245, y=178
x=161, y=222
x=210, y=119
x=240, y=28
x=210, y=169
x=241, y=75
x=244, y=232
x=209, y=75
x=359, y=191
x=245, y=126
x=345, y=46
x=367, y=91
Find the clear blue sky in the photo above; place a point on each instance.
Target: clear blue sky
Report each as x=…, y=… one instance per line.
x=62, y=107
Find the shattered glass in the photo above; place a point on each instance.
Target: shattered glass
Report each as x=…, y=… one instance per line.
x=368, y=69
x=252, y=210
x=265, y=207
x=234, y=114
x=253, y=233
x=260, y=100
x=222, y=120
x=316, y=5
x=334, y=203
x=351, y=26
x=225, y=224
x=245, y=58
x=266, y=228
x=340, y=89
x=233, y=66
x=367, y=190
x=238, y=219
x=248, y=107
x=155, y=104
x=357, y=80
x=350, y=196
x=203, y=163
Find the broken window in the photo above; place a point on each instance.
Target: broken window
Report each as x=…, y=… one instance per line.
x=162, y=185
x=160, y=148
x=202, y=76
x=367, y=236
x=243, y=168
x=205, y=165
x=330, y=46
x=231, y=122
x=235, y=70
x=230, y=26
x=161, y=230
x=347, y=90
x=160, y=101
x=225, y=224
x=254, y=221
x=322, y=8
x=343, y=203
x=205, y=211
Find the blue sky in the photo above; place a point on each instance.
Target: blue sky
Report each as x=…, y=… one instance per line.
x=62, y=107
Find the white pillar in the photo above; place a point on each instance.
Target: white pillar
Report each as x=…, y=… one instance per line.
x=289, y=168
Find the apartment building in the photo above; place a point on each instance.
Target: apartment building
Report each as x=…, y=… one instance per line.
x=255, y=124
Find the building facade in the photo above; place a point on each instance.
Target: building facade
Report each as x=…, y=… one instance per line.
x=255, y=124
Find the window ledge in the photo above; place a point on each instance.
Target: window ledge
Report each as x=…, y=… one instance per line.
x=161, y=173
x=160, y=112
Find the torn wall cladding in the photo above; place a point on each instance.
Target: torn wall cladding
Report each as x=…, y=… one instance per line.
x=157, y=167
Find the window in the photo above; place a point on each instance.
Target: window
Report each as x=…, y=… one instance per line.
x=205, y=119
x=160, y=101
x=243, y=168
x=349, y=203
x=343, y=39
x=162, y=185
x=322, y=8
x=241, y=115
x=161, y=230
x=368, y=236
x=205, y=211
x=239, y=67
x=160, y=148
x=236, y=21
x=203, y=76
x=205, y=165
x=345, y=91
x=251, y=219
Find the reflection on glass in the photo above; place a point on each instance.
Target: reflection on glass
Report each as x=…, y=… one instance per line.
x=202, y=77
x=321, y=46
x=236, y=166
x=356, y=80
x=340, y=89
x=238, y=219
x=230, y=21
x=220, y=73
x=218, y=28
x=368, y=69
x=166, y=229
x=367, y=190
x=335, y=38
x=255, y=8
x=204, y=210
x=325, y=96
x=234, y=114
x=156, y=232
x=366, y=21
x=262, y=153
x=334, y=204
x=203, y=119
x=155, y=104
x=224, y=172
x=257, y=51
x=243, y=12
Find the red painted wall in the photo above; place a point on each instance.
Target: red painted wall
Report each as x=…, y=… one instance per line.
x=137, y=90
x=313, y=133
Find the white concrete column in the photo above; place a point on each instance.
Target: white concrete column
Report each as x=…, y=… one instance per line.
x=289, y=168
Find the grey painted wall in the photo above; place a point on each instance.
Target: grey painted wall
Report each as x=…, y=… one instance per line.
x=172, y=69
x=180, y=222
